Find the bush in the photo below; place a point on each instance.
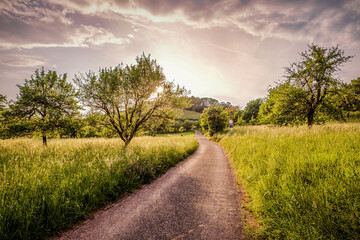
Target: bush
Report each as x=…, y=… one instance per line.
x=213, y=119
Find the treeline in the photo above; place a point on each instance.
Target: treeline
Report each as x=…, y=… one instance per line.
x=198, y=104
x=121, y=101
x=311, y=93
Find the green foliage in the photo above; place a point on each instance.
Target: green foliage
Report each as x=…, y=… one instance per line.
x=3, y=103
x=198, y=104
x=130, y=96
x=314, y=78
x=251, y=110
x=240, y=122
x=45, y=99
x=238, y=115
x=348, y=97
x=44, y=190
x=283, y=106
x=302, y=183
x=213, y=119
x=311, y=92
x=252, y=121
x=3, y=108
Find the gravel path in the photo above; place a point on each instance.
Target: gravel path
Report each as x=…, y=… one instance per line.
x=197, y=199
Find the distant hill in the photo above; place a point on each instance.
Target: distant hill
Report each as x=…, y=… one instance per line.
x=190, y=115
x=199, y=104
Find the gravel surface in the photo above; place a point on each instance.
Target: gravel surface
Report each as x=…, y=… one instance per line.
x=197, y=199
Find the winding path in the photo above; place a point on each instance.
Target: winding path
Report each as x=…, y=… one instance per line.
x=197, y=199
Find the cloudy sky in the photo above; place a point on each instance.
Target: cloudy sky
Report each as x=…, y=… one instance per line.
x=231, y=50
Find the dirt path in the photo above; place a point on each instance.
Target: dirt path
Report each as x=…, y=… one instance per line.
x=197, y=199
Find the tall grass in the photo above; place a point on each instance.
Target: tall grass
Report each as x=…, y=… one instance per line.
x=43, y=190
x=302, y=183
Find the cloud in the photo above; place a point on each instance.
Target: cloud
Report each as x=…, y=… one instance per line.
x=38, y=24
x=19, y=60
x=214, y=47
x=71, y=22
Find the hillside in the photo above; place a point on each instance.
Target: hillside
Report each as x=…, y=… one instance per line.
x=190, y=115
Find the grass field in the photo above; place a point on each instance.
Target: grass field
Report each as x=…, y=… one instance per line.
x=190, y=115
x=191, y=133
x=44, y=190
x=301, y=183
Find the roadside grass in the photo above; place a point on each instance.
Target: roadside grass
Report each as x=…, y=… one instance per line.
x=301, y=183
x=44, y=190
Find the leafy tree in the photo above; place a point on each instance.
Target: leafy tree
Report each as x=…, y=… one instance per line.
x=70, y=127
x=238, y=115
x=240, y=122
x=3, y=103
x=251, y=109
x=355, y=86
x=354, y=92
x=130, y=95
x=198, y=104
x=283, y=105
x=347, y=98
x=188, y=125
x=213, y=119
x=162, y=121
x=231, y=111
x=44, y=101
x=314, y=77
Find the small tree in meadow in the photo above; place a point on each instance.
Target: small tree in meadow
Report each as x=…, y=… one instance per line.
x=314, y=77
x=44, y=101
x=307, y=93
x=213, y=119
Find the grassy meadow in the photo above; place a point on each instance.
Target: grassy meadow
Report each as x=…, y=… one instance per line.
x=45, y=189
x=186, y=114
x=300, y=183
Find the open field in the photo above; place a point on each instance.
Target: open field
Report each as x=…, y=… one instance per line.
x=191, y=115
x=190, y=133
x=301, y=183
x=43, y=190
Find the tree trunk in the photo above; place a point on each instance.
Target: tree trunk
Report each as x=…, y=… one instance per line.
x=126, y=144
x=44, y=139
x=310, y=117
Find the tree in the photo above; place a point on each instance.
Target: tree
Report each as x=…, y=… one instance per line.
x=314, y=76
x=45, y=100
x=251, y=109
x=130, y=95
x=3, y=103
x=232, y=111
x=284, y=105
x=161, y=122
x=347, y=97
x=213, y=119
x=199, y=104
x=355, y=86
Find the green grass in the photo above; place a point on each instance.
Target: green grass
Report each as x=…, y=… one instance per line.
x=190, y=133
x=190, y=115
x=44, y=190
x=301, y=183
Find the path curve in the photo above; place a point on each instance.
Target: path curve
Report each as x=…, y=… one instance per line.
x=197, y=199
